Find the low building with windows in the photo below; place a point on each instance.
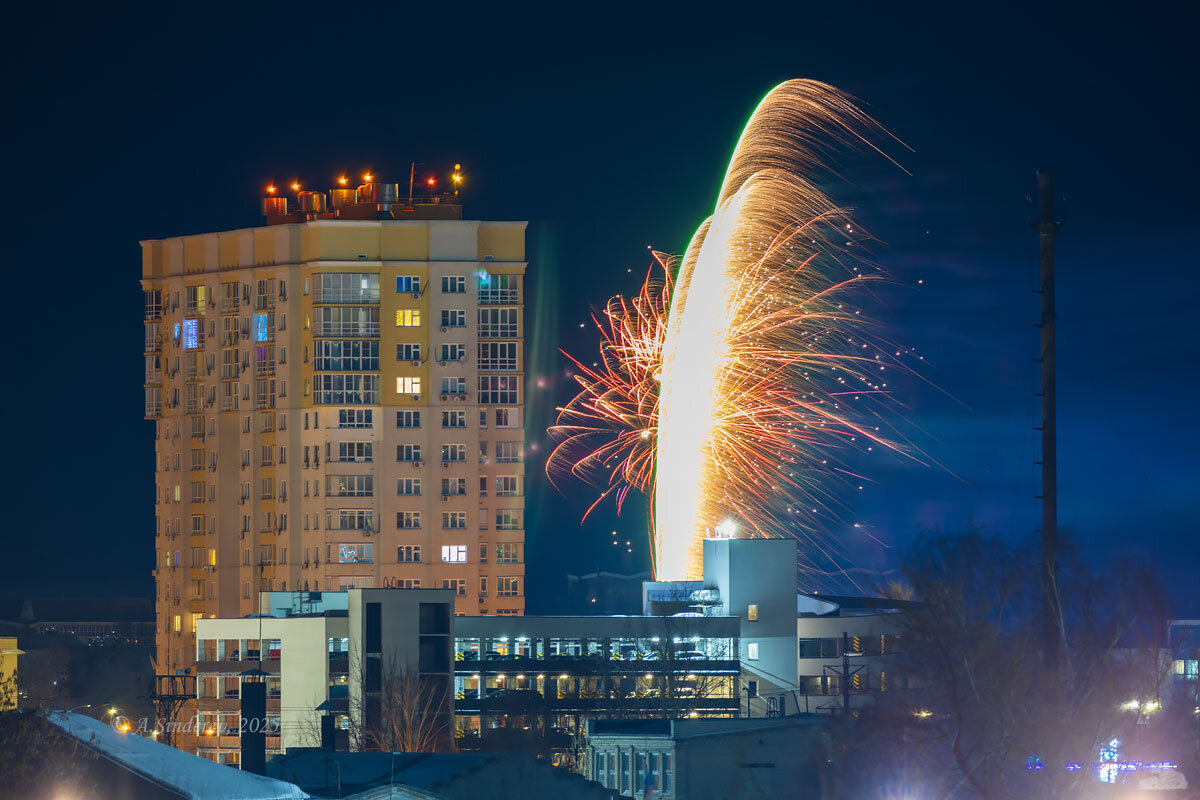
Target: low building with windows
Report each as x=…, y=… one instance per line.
x=707, y=759
x=742, y=642
x=321, y=653
x=543, y=678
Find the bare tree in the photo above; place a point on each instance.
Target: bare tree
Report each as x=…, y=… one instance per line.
x=409, y=713
x=985, y=714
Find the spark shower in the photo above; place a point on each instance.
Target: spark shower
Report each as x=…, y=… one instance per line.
x=734, y=387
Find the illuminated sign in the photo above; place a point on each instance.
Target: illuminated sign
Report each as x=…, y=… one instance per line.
x=177, y=331
x=191, y=336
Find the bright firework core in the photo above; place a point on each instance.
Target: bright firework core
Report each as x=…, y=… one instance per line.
x=733, y=394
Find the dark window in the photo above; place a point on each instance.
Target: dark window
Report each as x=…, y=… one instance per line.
x=435, y=654
x=373, y=635
x=435, y=618
x=374, y=715
x=373, y=679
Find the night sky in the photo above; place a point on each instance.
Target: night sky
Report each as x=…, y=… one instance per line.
x=609, y=129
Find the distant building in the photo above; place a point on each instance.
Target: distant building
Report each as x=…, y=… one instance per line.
x=605, y=593
x=707, y=759
x=333, y=650
x=1183, y=647
x=93, y=613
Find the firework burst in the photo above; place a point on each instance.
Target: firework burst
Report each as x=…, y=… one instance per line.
x=736, y=395
x=607, y=433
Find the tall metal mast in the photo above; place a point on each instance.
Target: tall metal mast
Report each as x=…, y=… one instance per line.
x=1047, y=226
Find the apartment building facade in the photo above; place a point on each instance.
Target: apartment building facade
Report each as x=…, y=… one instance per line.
x=338, y=403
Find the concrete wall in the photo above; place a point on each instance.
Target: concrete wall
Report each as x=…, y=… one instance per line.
x=759, y=573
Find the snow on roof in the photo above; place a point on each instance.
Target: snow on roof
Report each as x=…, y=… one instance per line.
x=191, y=776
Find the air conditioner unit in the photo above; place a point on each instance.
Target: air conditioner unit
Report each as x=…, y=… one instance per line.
x=441, y=363
x=444, y=329
x=445, y=464
x=445, y=497
x=416, y=464
x=461, y=398
x=444, y=397
x=416, y=295
x=416, y=397
x=416, y=363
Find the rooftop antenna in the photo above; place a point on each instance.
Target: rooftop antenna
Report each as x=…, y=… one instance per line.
x=412, y=171
x=1047, y=226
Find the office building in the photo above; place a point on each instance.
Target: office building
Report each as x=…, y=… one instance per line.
x=338, y=401
x=325, y=654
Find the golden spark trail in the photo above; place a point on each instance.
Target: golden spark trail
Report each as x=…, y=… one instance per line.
x=734, y=394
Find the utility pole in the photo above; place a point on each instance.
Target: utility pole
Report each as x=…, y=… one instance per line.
x=1047, y=226
x=845, y=674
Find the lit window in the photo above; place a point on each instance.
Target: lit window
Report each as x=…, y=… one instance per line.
x=408, y=283
x=355, y=553
x=408, y=385
x=752, y=612
x=752, y=651
x=262, y=327
x=508, y=587
x=191, y=337
x=408, y=318
x=454, y=553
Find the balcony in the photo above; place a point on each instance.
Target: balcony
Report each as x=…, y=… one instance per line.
x=352, y=330
x=353, y=296
x=493, y=297
x=153, y=345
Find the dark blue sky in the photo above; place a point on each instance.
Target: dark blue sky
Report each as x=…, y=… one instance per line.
x=609, y=127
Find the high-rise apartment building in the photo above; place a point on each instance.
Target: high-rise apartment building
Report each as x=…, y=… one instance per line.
x=338, y=402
